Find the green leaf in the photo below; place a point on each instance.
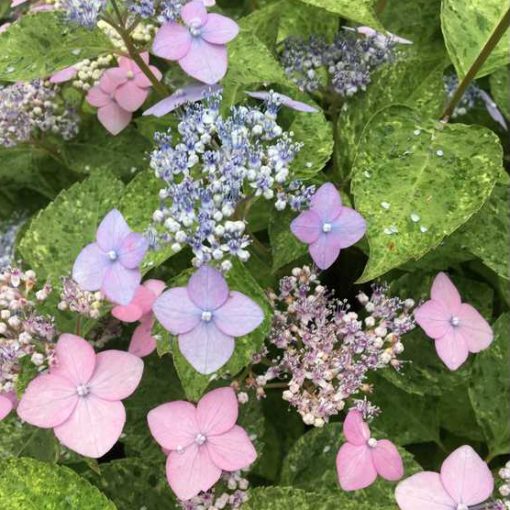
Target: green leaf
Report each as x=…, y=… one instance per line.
x=250, y=62
x=122, y=154
x=405, y=418
x=288, y=498
x=285, y=246
x=264, y=22
x=37, y=45
x=433, y=176
x=298, y=19
x=489, y=389
x=194, y=384
x=138, y=202
x=467, y=25
x=29, y=484
x=316, y=134
x=159, y=385
x=416, y=20
x=487, y=234
x=134, y=484
x=310, y=465
x=58, y=233
x=500, y=85
x=23, y=440
x=413, y=80
x=361, y=11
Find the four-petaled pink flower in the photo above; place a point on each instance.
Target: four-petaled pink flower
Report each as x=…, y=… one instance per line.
x=456, y=327
x=202, y=441
x=207, y=317
x=465, y=480
x=140, y=309
x=111, y=263
x=132, y=85
x=80, y=399
x=7, y=403
x=199, y=47
x=362, y=457
x=328, y=226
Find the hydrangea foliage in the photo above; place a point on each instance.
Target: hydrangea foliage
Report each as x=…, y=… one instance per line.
x=254, y=254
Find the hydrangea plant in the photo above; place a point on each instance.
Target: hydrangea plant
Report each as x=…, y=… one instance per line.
x=254, y=254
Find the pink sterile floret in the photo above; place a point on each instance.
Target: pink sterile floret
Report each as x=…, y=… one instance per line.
x=457, y=328
x=111, y=263
x=465, y=480
x=202, y=441
x=7, y=403
x=207, y=317
x=80, y=399
x=362, y=457
x=328, y=226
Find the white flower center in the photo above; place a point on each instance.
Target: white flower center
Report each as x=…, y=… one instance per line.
x=206, y=316
x=200, y=439
x=179, y=450
x=454, y=321
x=195, y=28
x=112, y=255
x=462, y=506
x=83, y=390
x=372, y=442
x=326, y=227
x=130, y=75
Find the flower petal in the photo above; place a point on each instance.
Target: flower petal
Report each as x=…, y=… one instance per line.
x=6, y=405
x=156, y=287
x=172, y=41
x=348, y=228
x=231, y=450
x=128, y=313
x=474, y=328
x=48, y=401
x=356, y=431
x=76, y=359
x=355, y=467
x=204, y=61
x=452, y=349
x=387, y=461
x=207, y=288
x=219, y=29
x=66, y=74
x=206, y=348
x=191, y=472
x=444, y=291
x=94, y=426
x=142, y=342
x=90, y=267
x=130, y=96
x=286, y=101
x=326, y=202
x=217, y=411
x=324, y=251
x=176, y=312
x=466, y=477
x=307, y=227
x=132, y=250
x=120, y=284
x=112, y=230
x=239, y=315
x=97, y=97
x=433, y=318
x=174, y=424
x=194, y=13
x=114, y=118
x=112, y=79
x=423, y=491
x=143, y=81
x=117, y=375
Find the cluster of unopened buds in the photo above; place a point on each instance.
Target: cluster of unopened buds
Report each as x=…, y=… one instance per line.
x=504, y=489
x=82, y=302
x=326, y=350
x=242, y=156
x=231, y=498
x=22, y=331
